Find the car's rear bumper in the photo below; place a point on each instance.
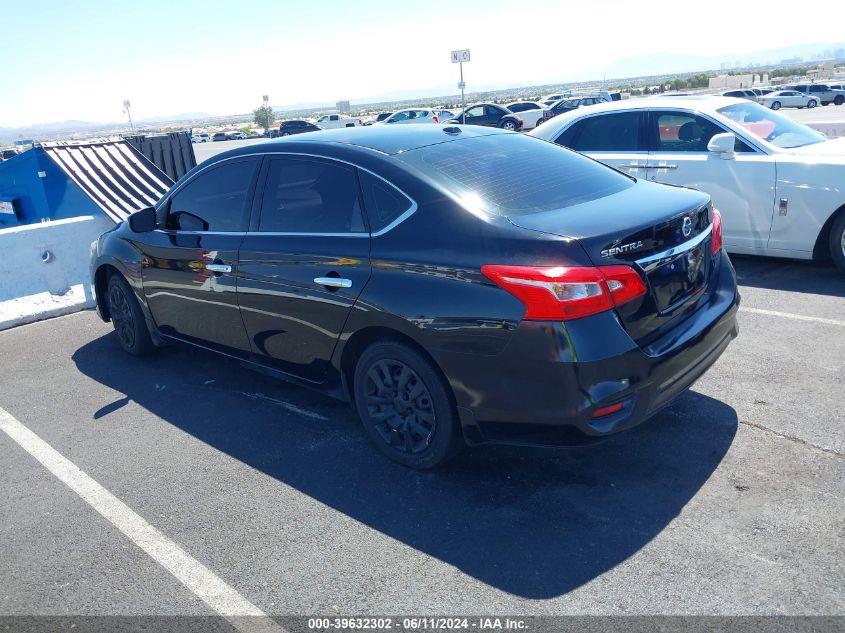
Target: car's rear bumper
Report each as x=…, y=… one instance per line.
x=547, y=384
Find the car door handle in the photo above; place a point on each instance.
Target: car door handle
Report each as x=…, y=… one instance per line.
x=667, y=166
x=333, y=282
x=632, y=166
x=218, y=268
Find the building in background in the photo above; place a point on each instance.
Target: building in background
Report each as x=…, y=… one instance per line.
x=343, y=107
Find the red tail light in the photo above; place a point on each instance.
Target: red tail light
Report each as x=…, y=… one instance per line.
x=716, y=240
x=598, y=413
x=562, y=294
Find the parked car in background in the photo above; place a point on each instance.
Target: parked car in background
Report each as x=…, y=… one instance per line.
x=552, y=98
x=762, y=91
x=557, y=302
x=200, y=137
x=741, y=94
x=9, y=152
x=825, y=94
x=220, y=136
x=531, y=113
x=237, y=136
x=334, y=121
x=770, y=176
x=296, y=126
x=565, y=105
x=549, y=100
x=444, y=115
x=412, y=115
x=489, y=114
x=787, y=99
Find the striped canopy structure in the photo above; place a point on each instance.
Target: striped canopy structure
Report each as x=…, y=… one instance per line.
x=116, y=176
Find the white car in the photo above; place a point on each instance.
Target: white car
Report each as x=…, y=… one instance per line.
x=550, y=99
x=202, y=137
x=788, y=99
x=778, y=183
x=334, y=121
x=412, y=115
x=531, y=113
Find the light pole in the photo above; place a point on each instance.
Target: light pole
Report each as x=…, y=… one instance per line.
x=126, y=105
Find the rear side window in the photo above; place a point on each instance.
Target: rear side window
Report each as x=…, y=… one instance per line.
x=215, y=200
x=384, y=203
x=512, y=175
x=310, y=196
x=618, y=132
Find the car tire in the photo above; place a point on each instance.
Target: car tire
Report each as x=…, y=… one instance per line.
x=285, y=134
x=812, y=103
x=128, y=320
x=406, y=406
x=839, y=100
x=837, y=241
x=775, y=105
x=508, y=125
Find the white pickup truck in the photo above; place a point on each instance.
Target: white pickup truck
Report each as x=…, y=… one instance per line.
x=334, y=121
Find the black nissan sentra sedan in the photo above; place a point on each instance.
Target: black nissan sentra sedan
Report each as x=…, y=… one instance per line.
x=459, y=285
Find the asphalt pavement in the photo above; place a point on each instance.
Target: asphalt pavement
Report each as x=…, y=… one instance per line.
x=731, y=501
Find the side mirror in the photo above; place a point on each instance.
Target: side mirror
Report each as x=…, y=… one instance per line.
x=143, y=221
x=722, y=144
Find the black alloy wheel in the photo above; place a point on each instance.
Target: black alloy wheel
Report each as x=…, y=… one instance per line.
x=127, y=318
x=405, y=406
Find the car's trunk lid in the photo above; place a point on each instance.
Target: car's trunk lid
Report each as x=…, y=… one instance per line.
x=663, y=232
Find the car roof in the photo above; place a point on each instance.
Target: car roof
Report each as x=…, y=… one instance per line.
x=385, y=139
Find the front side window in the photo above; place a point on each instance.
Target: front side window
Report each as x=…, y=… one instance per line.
x=310, y=196
x=617, y=132
x=683, y=132
x=216, y=200
x=476, y=112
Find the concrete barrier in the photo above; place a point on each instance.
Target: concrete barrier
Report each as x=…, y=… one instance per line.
x=44, y=268
x=832, y=129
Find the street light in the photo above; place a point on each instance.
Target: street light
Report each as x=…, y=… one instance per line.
x=126, y=105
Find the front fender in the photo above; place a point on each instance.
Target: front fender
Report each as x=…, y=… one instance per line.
x=115, y=252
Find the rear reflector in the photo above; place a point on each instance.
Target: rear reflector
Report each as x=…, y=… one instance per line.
x=562, y=294
x=598, y=413
x=716, y=242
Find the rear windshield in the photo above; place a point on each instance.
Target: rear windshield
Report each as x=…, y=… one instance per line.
x=514, y=174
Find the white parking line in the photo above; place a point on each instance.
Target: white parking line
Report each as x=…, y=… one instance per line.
x=790, y=315
x=212, y=590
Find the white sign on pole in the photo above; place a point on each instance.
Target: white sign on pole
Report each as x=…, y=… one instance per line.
x=460, y=56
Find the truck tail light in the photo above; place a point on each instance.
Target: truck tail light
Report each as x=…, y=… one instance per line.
x=559, y=293
x=716, y=240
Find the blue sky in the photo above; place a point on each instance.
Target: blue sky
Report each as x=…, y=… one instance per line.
x=79, y=59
